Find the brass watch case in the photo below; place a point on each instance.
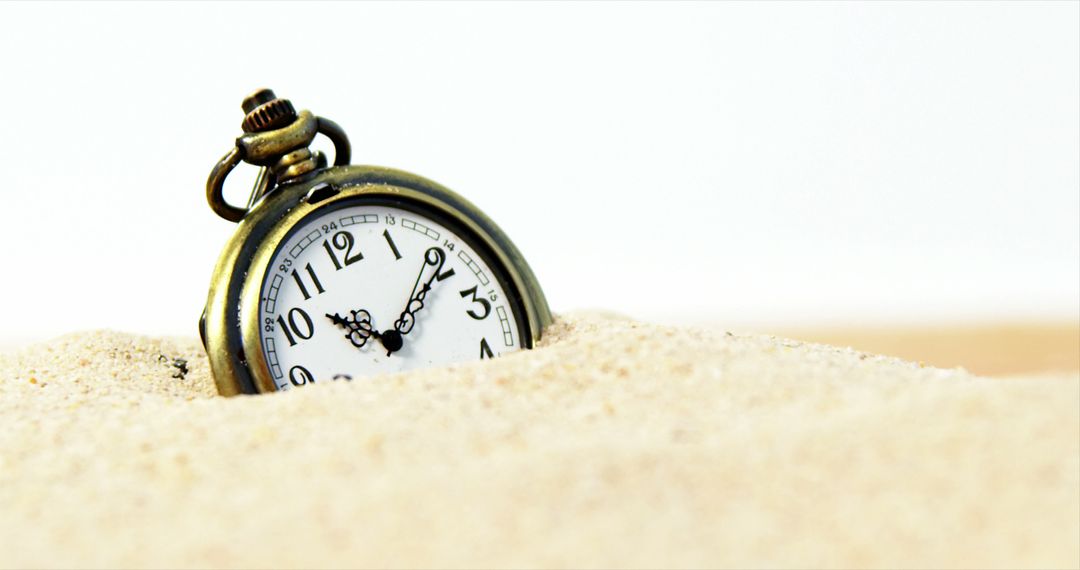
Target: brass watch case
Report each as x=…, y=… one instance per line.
x=230, y=325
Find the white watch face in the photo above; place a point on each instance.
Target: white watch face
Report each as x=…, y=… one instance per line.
x=367, y=289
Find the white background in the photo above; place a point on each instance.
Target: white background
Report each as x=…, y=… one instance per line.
x=751, y=165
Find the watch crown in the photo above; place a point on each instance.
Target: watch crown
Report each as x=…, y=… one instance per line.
x=265, y=112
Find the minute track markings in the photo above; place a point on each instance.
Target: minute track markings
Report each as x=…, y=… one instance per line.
x=304, y=243
x=271, y=295
x=474, y=267
x=504, y=322
x=419, y=228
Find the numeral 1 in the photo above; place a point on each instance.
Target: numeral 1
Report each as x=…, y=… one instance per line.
x=300, y=282
x=393, y=247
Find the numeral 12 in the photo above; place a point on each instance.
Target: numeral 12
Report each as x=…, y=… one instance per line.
x=343, y=241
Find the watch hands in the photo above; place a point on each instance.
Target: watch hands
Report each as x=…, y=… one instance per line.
x=357, y=326
x=434, y=257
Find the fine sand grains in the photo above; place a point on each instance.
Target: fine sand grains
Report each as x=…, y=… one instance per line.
x=615, y=444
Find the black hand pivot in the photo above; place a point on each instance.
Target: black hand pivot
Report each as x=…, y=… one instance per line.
x=391, y=341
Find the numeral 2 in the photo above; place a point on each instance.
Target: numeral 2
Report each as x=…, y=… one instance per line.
x=345, y=242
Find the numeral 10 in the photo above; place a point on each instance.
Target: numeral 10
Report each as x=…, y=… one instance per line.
x=304, y=329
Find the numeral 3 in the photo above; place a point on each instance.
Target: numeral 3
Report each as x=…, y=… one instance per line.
x=484, y=304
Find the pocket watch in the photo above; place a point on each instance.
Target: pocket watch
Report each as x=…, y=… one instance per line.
x=341, y=272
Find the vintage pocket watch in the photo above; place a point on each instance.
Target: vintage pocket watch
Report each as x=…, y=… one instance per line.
x=346, y=271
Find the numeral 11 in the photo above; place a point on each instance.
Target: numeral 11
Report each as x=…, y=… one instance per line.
x=300, y=282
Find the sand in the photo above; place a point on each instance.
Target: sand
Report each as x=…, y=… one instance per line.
x=987, y=349
x=615, y=444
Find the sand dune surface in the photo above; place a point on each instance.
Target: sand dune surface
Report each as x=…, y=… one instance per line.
x=614, y=444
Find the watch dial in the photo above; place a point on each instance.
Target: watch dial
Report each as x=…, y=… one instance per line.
x=366, y=289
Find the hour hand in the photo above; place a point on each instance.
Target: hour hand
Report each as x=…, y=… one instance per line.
x=357, y=326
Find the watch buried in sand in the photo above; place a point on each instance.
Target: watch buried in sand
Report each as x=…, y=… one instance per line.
x=346, y=271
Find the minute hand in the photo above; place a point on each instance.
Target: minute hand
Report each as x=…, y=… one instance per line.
x=434, y=257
